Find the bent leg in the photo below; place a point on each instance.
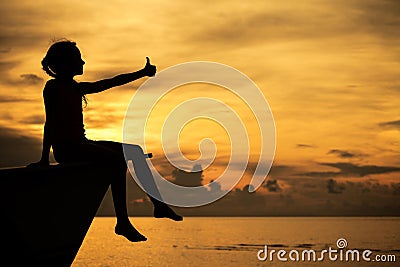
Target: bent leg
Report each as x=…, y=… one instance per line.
x=142, y=171
x=136, y=155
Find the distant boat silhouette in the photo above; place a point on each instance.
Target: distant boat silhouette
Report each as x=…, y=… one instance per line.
x=46, y=212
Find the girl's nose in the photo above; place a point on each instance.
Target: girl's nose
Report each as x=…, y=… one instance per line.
x=83, y=62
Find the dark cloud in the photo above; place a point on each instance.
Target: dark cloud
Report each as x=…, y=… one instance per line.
x=276, y=170
x=323, y=198
x=396, y=188
x=341, y=153
x=380, y=17
x=304, y=146
x=190, y=179
x=161, y=163
x=352, y=170
x=255, y=26
x=8, y=77
x=8, y=98
x=238, y=202
x=272, y=185
x=6, y=66
x=35, y=119
x=267, y=24
x=6, y=116
x=305, y=197
x=334, y=187
x=5, y=50
x=11, y=34
x=361, y=170
x=31, y=79
x=281, y=169
x=17, y=149
x=394, y=124
x=101, y=119
x=215, y=187
x=5, y=69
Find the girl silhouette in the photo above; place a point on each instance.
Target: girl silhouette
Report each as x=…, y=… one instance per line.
x=64, y=130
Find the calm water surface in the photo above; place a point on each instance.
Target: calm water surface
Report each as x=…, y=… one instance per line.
x=235, y=241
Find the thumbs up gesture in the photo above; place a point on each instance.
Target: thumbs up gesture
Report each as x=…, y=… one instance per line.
x=149, y=70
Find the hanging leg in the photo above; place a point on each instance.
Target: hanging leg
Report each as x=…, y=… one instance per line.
x=142, y=171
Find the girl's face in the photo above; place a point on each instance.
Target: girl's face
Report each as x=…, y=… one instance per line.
x=75, y=64
x=71, y=64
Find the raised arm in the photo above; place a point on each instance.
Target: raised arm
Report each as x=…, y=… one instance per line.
x=99, y=86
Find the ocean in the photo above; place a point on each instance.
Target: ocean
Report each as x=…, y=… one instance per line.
x=243, y=241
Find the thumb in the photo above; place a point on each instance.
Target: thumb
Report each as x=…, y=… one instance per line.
x=147, y=60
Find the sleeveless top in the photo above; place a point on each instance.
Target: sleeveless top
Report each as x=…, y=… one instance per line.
x=64, y=117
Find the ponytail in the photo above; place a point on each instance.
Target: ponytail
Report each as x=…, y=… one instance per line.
x=46, y=67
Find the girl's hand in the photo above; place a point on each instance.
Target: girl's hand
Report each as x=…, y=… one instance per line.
x=41, y=163
x=149, y=70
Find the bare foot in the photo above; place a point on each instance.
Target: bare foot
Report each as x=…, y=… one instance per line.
x=163, y=211
x=130, y=233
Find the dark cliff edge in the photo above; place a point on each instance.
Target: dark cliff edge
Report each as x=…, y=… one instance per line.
x=46, y=212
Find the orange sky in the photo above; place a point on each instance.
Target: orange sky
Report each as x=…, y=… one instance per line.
x=329, y=70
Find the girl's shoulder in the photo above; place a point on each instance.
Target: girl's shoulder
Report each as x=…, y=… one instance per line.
x=55, y=83
x=49, y=87
x=50, y=83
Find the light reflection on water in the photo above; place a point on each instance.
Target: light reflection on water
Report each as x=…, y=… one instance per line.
x=234, y=241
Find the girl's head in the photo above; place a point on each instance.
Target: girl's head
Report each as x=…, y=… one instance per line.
x=63, y=59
